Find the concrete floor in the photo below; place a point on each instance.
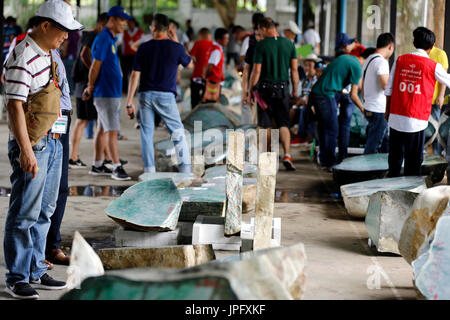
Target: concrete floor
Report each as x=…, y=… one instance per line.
x=340, y=265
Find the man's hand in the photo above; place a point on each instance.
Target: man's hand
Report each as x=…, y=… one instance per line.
x=244, y=98
x=28, y=163
x=440, y=101
x=87, y=94
x=131, y=110
x=172, y=33
x=250, y=98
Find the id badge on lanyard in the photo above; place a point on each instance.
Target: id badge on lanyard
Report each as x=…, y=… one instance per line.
x=60, y=125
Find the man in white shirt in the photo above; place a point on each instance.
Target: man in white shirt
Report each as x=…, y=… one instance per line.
x=312, y=37
x=375, y=80
x=410, y=94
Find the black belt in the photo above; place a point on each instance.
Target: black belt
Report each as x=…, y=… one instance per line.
x=66, y=112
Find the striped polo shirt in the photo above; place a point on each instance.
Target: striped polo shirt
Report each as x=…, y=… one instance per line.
x=28, y=70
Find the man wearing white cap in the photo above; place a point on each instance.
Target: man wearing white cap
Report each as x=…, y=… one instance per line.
x=34, y=149
x=291, y=31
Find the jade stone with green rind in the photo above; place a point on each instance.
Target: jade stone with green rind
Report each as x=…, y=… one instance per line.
x=206, y=201
x=148, y=206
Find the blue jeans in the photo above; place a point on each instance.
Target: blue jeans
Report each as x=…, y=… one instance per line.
x=303, y=127
x=377, y=133
x=163, y=104
x=31, y=205
x=436, y=114
x=54, y=235
x=345, y=117
x=326, y=111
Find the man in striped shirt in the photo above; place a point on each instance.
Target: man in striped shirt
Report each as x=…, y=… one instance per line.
x=36, y=170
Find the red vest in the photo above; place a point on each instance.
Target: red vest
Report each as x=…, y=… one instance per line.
x=127, y=50
x=217, y=73
x=413, y=90
x=201, y=52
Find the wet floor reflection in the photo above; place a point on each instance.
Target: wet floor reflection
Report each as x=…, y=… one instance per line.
x=281, y=196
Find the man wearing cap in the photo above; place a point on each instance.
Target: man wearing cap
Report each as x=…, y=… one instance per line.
x=291, y=31
x=105, y=84
x=36, y=165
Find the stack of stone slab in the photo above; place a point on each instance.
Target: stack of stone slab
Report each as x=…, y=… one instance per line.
x=274, y=274
x=375, y=166
x=356, y=195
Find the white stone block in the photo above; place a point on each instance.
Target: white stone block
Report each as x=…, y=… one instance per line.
x=150, y=239
x=210, y=230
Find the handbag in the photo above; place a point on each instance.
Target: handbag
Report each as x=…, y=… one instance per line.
x=212, y=92
x=42, y=108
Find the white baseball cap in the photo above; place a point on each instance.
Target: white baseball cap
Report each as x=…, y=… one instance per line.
x=294, y=27
x=60, y=12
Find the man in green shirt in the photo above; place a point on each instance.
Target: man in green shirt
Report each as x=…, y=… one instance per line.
x=273, y=58
x=343, y=71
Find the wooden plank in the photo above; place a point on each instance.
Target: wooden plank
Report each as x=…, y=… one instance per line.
x=265, y=197
x=233, y=183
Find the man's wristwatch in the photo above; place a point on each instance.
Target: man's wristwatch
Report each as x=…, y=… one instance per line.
x=129, y=106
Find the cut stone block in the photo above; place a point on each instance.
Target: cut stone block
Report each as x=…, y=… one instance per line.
x=148, y=239
x=250, y=171
x=234, y=181
x=424, y=214
x=375, y=166
x=148, y=206
x=265, y=198
x=274, y=274
x=386, y=215
x=210, y=230
x=177, y=257
x=247, y=234
x=357, y=195
x=432, y=276
x=84, y=262
x=207, y=201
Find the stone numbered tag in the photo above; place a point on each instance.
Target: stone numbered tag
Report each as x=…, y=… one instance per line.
x=60, y=125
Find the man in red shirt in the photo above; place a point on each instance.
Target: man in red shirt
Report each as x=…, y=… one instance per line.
x=200, y=55
x=409, y=98
x=130, y=37
x=215, y=73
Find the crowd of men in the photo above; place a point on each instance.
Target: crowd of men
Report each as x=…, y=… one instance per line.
x=316, y=97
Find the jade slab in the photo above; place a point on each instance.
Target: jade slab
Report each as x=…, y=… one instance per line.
x=148, y=206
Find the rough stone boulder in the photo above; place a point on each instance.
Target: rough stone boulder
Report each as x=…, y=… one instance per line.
x=272, y=274
x=424, y=214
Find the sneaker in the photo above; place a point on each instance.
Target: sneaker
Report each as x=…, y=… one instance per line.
x=100, y=171
x=21, y=290
x=109, y=164
x=48, y=283
x=120, y=174
x=77, y=164
x=298, y=141
x=288, y=163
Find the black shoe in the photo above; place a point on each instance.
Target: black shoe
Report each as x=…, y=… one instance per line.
x=21, y=290
x=48, y=283
x=100, y=171
x=120, y=174
x=109, y=164
x=77, y=164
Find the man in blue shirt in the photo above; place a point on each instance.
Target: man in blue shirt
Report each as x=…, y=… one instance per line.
x=155, y=70
x=105, y=83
